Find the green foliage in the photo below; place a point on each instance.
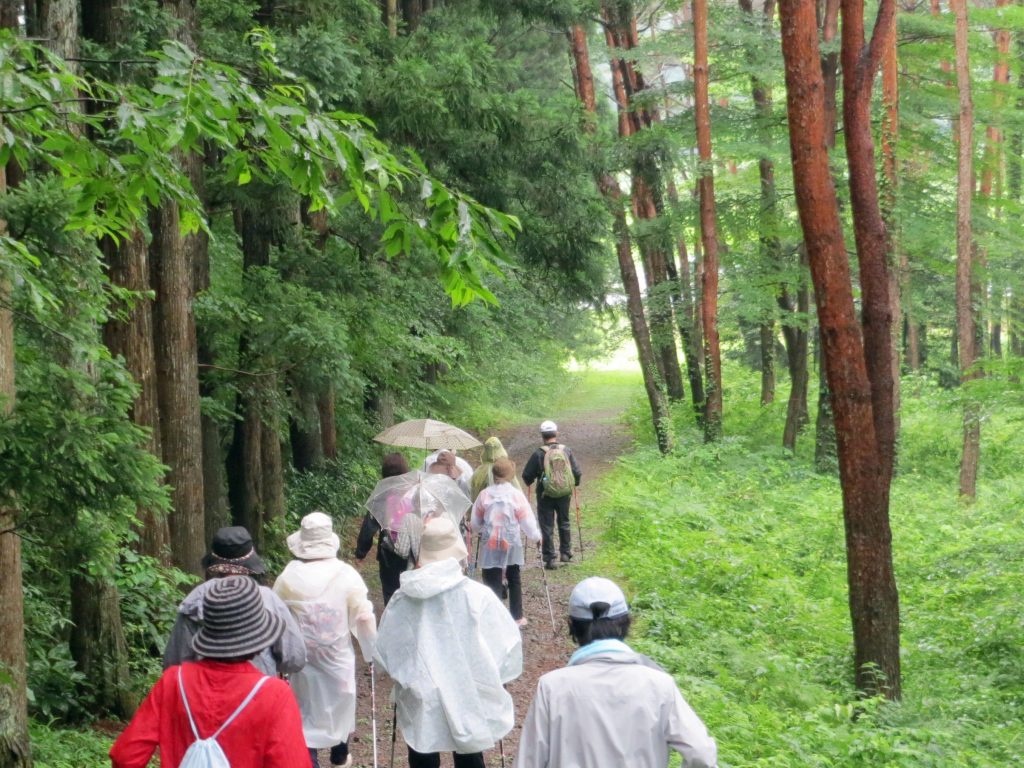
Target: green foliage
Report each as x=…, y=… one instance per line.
x=734, y=558
x=66, y=748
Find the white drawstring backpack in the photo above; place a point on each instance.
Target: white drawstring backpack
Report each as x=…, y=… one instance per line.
x=206, y=753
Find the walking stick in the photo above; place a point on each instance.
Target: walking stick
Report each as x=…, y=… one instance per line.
x=373, y=709
x=547, y=592
x=394, y=732
x=501, y=748
x=579, y=526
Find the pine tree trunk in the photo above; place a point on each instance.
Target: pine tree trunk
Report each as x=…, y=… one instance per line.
x=965, y=310
x=796, y=408
x=874, y=603
x=767, y=342
x=708, y=226
x=609, y=188
x=686, y=319
x=15, y=751
x=825, y=460
x=896, y=257
x=304, y=429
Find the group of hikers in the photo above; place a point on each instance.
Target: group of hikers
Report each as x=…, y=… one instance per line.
x=266, y=676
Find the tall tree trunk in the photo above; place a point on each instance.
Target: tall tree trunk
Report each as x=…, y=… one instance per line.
x=304, y=429
x=132, y=338
x=767, y=341
x=965, y=310
x=796, y=407
x=174, y=333
x=609, y=188
x=273, y=473
x=874, y=603
x=15, y=751
x=896, y=257
x=860, y=63
x=686, y=318
x=627, y=82
x=825, y=460
x=328, y=425
x=174, y=330
x=708, y=224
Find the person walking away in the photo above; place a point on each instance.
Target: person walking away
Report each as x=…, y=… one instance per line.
x=328, y=599
x=482, y=475
x=253, y=718
x=464, y=467
x=449, y=646
x=389, y=561
x=232, y=554
x=556, y=472
x=501, y=515
x=446, y=465
x=611, y=705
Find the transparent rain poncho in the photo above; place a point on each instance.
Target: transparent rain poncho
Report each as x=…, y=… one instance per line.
x=329, y=602
x=501, y=515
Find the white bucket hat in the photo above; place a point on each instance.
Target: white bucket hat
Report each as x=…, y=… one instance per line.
x=315, y=539
x=441, y=540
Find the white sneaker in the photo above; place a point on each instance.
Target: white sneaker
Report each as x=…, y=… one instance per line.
x=522, y=622
x=346, y=764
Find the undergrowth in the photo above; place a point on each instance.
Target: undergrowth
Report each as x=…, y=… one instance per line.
x=734, y=557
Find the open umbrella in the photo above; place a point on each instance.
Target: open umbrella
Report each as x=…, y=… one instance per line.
x=428, y=434
x=401, y=504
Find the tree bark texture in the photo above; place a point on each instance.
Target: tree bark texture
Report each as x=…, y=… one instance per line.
x=708, y=225
x=15, y=750
x=686, y=317
x=645, y=192
x=98, y=645
x=860, y=62
x=273, y=473
x=612, y=194
x=304, y=429
x=966, y=316
x=796, y=407
x=328, y=422
x=897, y=257
x=767, y=343
x=874, y=603
x=130, y=335
x=174, y=332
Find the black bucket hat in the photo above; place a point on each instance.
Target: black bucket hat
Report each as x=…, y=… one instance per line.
x=236, y=624
x=232, y=554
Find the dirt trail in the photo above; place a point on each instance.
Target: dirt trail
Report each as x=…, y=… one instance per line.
x=597, y=439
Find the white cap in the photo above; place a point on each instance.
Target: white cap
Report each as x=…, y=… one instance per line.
x=597, y=589
x=548, y=426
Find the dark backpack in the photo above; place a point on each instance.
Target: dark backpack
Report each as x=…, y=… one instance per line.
x=558, y=477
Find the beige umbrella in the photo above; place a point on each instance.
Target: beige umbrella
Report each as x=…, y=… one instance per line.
x=427, y=434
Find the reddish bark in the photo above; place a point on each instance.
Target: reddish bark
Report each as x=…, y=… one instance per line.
x=874, y=605
x=708, y=225
x=965, y=310
x=612, y=194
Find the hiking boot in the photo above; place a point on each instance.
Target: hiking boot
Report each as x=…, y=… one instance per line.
x=522, y=622
x=551, y=565
x=565, y=558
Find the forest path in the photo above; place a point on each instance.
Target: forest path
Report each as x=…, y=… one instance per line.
x=591, y=425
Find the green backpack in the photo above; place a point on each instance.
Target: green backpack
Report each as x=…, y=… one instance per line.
x=558, y=477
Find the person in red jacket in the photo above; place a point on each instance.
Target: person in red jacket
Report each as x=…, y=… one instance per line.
x=266, y=732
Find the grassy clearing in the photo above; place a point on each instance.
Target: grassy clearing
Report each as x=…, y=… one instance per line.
x=734, y=557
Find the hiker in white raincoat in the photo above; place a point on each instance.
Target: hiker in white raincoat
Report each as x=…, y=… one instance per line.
x=449, y=646
x=501, y=515
x=611, y=706
x=328, y=599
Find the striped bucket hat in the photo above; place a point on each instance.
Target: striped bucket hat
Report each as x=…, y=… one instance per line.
x=235, y=622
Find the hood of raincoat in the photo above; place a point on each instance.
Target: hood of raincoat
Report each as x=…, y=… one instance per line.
x=493, y=449
x=432, y=579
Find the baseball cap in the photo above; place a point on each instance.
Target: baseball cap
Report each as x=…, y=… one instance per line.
x=548, y=426
x=597, y=589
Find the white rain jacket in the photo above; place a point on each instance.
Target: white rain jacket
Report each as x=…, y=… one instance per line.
x=502, y=514
x=449, y=645
x=328, y=600
x=612, y=709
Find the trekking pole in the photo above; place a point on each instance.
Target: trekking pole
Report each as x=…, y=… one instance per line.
x=501, y=748
x=547, y=592
x=394, y=732
x=579, y=526
x=373, y=709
